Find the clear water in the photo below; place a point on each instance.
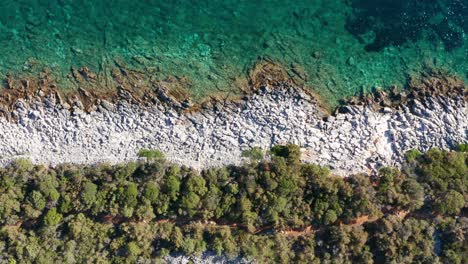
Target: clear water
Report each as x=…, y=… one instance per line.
x=345, y=47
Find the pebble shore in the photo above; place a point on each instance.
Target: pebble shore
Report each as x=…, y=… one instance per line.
x=360, y=140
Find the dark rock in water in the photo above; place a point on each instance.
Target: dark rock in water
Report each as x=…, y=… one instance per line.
x=395, y=22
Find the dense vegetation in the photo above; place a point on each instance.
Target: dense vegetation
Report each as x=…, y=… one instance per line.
x=275, y=210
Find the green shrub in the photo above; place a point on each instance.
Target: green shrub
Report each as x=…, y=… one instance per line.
x=133, y=249
x=22, y=165
x=330, y=217
x=451, y=203
x=291, y=152
x=412, y=154
x=151, y=192
x=129, y=195
x=52, y=217
x=151, y=154
x=89, y=193
x=462, y=147
x=38, y=200
x=253, y=154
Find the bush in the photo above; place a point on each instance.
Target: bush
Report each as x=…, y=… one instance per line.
x=22, y=165
x=412, y=154
x=330, y=217
x=89, y=193
x=151, y=154
x=462, y=147
x=133, y=249
x=52, y=217
x=291, y=152
x=151, y=192
x=451, y=204
x=129, y=195
x=253, y=154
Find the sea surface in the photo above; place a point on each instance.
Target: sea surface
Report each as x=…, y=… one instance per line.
x=341, y=47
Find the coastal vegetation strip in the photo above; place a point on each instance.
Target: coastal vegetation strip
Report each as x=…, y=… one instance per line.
x=279, y=210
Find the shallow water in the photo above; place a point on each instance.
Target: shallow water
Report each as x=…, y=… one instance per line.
x=344, y=47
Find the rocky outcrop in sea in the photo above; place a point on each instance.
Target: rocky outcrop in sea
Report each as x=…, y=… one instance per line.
x=358, y=138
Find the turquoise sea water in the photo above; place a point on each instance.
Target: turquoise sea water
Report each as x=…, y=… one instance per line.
x=345, y=47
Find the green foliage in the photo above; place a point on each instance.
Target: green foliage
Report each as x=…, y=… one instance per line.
x=451, y=203
x=412, y=154
x=196, y=184
x=52, y=217
x=151, y=154
x=38, y=200
x=129, y=195
x=444, y=175
x=330, y=217
x=291, y=152
x=254, y=154
x=89, y=193
x=133, y=249
x=22, y=165
x=172, y=187
x=124, y=172
x=399, y=191
x=462, y=147
x=151, y=192
x=263, y=209
x=189, y=203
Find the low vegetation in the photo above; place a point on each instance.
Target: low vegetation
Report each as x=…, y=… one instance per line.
x=151, y=154
x=279, y=210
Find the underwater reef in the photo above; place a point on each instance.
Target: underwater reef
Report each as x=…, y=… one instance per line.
x=395, y=22
x=335, y=48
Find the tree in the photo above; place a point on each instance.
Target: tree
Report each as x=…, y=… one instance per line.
x=412, y=154
x=172, y=187
x=330, y=217
x=129, y=195
x=451, y=203
x=254, y=154
x=291, y=152
x=133, y=249
x=196, y=184
x=52, y=217
x=414, y=194
x=190, y=203
x=89, y=193
x=38, y=200
x=151, y=192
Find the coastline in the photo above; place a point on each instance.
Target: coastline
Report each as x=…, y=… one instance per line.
x=360, y=137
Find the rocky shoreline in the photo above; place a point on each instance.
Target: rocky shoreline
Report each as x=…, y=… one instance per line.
x=360, y=137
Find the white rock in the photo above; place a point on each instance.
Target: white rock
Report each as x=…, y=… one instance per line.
x=116, y=133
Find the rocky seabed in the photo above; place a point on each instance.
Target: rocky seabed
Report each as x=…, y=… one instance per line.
x=360, y=140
